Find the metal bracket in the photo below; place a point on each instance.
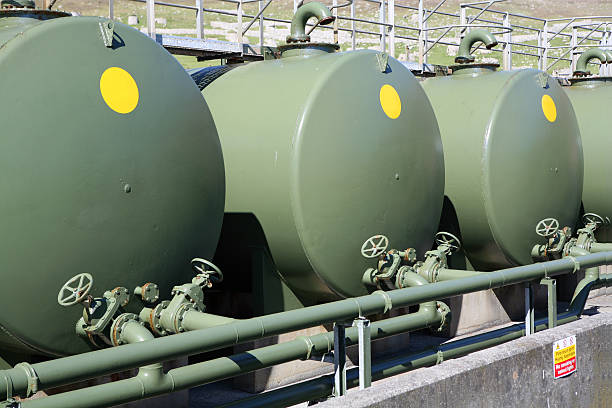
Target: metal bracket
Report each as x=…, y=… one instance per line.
x=339, y=359
x=107, y=29
x=32, y=378
x=365, y=354
x=383, y=60
x=542, y=79
x=529, y=310
x=552, y=300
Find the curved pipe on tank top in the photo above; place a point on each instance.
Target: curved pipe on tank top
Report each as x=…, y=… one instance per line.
x=473, y=37
x=588, y=56
x=303, y=14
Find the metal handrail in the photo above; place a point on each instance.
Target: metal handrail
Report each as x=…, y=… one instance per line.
x=540, y=32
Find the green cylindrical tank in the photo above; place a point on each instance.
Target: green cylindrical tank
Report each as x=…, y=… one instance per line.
x=111, y=165
x=590, y=96
x=512, y=155
x=326, y=150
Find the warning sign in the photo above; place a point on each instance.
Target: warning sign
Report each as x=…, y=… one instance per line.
x=564, y=356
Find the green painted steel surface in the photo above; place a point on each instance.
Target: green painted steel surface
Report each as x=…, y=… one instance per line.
x=508, y=166
x=129, y=198
x=310, y=151
x=590, y=97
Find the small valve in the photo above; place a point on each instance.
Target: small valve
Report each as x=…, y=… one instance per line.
x=595, y=220
x=547, y=227
x=75, y=290
x=374, y=246
x=149, y=292
x=448, y=240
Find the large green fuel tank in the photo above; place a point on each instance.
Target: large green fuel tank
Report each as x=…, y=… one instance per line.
x=326, y=150
x=590, y=96
x=513, y=157
x=111, y=165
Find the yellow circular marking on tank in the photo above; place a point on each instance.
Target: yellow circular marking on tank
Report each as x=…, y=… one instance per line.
x=549, y=108
x=390, y=101
x=119, y=90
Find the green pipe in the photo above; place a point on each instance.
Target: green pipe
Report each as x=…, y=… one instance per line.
x=588, y=56
x=600, y=247
x=225, y=367
x=79, y=367
x=322, y=387
x=301, y=17
x=474, y=36
x=591, y=275
x=444, y=274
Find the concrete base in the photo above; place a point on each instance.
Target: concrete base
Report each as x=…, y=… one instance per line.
x=518, y=373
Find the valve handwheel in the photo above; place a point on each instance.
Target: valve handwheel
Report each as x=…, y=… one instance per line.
x=199, y=265
x=592, y=218
x=547, y=227
x=374, y=246
x=449, y=240
x=75, y=290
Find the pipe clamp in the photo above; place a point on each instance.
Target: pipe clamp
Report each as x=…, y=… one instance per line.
x=388, y=302
x=309, y=345
x=576, y=264
x=32, y=378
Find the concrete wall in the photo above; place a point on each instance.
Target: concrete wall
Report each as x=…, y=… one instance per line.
x=515, y=374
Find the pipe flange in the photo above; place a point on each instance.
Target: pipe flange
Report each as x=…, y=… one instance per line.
x=32, y=377
x=155, y=318
x=118, y=326
x=180, y=314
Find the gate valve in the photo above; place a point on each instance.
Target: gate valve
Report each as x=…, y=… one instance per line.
x=594, y=221
x=207, y=273
x=99, y=313
x=447, y=242
x=557, y=240
x=374, y=246
x=75, y=290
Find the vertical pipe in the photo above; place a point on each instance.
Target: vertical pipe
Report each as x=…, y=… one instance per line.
x=200, y=19
x=151, y=18
x=391, y=20
x=339, y=359
x=353, y=31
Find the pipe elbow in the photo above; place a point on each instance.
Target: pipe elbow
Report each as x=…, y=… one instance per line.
x=473, y=37
x=588, y=56
x=298, y=24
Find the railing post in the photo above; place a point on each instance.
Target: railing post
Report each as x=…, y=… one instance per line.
x=574, y=44
x=462, y=21
x=529, y=310
x=353, y=31
x=365, y=355
x=151, y=18
x=422, y=45
x=391, y=20
x=111, y=9
x=508, y=46
x=261, y=26
x=339, y=359
x=552, y=301
x=383, y=28
x=335, y=14
x=546, y=45
x=200, y=19
x=295, y=5
x=239, y=25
